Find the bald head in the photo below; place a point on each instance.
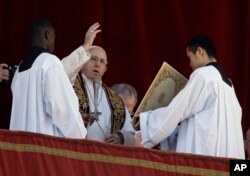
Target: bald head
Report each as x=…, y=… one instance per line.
x=128, y=95
x=97, y=49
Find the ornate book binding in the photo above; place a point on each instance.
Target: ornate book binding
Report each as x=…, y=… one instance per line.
x=165, y=86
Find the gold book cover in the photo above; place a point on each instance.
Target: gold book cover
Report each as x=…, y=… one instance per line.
x=165, y=86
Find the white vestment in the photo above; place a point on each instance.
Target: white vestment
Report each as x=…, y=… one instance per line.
x=73, y=63
x=97, y=131
x=101, y=129
x=209, y=115
x=44, y=100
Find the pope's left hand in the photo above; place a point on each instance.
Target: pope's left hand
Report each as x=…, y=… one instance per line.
x=115, y=138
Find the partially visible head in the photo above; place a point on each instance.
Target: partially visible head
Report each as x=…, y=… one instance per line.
x=200, y=51
x=247, y=143
x=42, y=34
x=97, y=65
x=128, y=95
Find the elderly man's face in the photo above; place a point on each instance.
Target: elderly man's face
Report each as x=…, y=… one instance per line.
x=129, y=103
x=97, y=65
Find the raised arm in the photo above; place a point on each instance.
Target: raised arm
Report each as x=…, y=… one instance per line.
x=73, y=63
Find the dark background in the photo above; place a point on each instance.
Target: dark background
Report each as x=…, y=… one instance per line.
x=138, y=36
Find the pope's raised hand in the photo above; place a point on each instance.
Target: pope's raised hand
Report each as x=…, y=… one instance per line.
x=90, y=36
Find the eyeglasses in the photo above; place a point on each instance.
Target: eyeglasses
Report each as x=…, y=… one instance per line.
x=97, y=59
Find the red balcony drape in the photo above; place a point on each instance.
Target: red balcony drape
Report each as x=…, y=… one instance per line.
x=25, y=153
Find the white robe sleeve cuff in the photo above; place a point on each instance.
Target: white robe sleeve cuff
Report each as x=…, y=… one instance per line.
x=73, y=63
x=143, y=125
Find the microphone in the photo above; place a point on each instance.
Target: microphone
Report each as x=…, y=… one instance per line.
x=96, y=85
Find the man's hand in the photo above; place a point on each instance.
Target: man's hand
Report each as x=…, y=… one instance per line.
x=87, y=118
x=138, y=139
x=116, y=138
x=90, y=36
x=136, y=123
x=4, y=73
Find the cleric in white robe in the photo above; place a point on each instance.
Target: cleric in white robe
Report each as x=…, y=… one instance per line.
x=43, y=98
x=113, y=122
x=207, y=110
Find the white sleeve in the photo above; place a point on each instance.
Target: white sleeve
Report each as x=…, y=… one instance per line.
x=62, y=104
x=159, y=124
x=73, y=63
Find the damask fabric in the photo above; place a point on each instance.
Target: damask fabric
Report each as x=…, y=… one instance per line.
x=209, y=115
x=44, y=100
x=114, y=116
x=118, y=112
x=46, y=155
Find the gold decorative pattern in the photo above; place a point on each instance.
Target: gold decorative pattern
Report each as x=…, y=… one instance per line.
x=115, y=103
x=81, y=94
x=166, y=85
x=117, y=109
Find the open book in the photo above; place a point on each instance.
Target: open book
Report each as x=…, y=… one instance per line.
x=166, y=85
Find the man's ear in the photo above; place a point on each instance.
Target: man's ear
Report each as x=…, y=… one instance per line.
x=46, y=34
x=199, y=51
